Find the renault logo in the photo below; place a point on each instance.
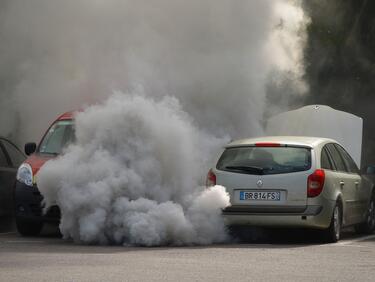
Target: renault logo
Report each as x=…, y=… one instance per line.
x=259, y=183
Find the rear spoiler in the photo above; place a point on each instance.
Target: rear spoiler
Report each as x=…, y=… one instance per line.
x=268, y=145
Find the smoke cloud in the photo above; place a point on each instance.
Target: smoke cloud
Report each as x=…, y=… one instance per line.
x=132, y=177
x=214, y=56
x=188, y=77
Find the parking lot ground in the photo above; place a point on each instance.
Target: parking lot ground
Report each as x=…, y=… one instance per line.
x=290, y=255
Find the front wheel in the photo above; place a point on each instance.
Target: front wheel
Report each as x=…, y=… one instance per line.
x=27, y=227
x=368, y=226
x=333, y=232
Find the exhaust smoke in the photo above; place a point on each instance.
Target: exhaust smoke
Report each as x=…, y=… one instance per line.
x=133, y=174
x=188, y=76
x=214, y=56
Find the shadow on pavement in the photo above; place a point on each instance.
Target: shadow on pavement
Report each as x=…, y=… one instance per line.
x=250, y=237
x=290, y=237
x=254, y=235
x=7, y=224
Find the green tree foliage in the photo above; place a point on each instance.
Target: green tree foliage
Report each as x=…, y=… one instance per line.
x=340, y=60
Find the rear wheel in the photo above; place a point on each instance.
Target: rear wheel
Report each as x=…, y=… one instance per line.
x=27, y=227
x=368, y=226
x=333, y=232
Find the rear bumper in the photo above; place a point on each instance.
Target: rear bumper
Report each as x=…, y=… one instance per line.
x=28, y=205
x=313, y=216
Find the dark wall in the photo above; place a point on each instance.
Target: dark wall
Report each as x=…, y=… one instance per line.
x=340, y=60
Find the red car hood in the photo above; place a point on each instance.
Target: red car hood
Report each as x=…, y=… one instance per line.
x=36, y=161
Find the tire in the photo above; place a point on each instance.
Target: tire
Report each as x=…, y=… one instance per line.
x=368, y=226
x=28, y=228
x=333, y=233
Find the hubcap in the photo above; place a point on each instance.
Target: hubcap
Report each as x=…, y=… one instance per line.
x=371, y=215
x=336, y=221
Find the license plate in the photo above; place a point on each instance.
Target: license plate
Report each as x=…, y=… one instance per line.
x=259, y=196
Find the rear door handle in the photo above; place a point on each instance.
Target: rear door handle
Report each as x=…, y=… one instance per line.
x=356, y=184
x=342, y=183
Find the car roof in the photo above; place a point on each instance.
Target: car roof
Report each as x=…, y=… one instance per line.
x=67, y=115
x=7, y=139
x=11, y=142
x=305, y=141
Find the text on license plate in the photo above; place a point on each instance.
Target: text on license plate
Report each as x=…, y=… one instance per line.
x=260, y=196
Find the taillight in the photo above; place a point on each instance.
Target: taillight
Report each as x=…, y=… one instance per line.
x=315, y=183
x=211, y=179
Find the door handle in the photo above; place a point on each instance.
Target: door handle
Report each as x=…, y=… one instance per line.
x=356, y=184
x=342, y=183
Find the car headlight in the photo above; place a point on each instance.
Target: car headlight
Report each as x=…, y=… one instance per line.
x=25, y=174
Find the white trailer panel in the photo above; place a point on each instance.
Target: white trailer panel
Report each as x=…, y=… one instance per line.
x=320, y=121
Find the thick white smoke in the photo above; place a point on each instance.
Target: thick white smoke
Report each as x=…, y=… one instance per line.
x=215, y=56
x=202, y=67
x=133, y=176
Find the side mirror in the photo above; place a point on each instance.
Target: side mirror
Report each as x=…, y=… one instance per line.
x=30, y=148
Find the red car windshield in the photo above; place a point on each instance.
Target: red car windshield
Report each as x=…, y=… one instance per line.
x=59, y=136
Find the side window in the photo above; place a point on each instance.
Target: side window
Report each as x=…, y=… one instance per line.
x=15, y=155
x=3, y=158
x=370, y=169
x=337, y=159
x=349, y=163
x=325, y=160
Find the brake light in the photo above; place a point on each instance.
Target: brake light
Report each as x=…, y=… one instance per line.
x=211, y=179
x=315, y=183
x=267, y=144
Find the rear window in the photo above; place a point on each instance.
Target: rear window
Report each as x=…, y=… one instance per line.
x=265, y=160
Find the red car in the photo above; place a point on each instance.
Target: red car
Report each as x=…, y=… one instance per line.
x=29, y=214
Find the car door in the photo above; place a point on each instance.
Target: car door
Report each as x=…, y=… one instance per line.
x=347, y=183
x=15, y=155
x=10, y=159
x=362, y=187
x=6, y=174
x=367, y=188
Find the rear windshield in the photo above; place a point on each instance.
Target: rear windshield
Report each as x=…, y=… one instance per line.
x=60, y=135
x=265, y=160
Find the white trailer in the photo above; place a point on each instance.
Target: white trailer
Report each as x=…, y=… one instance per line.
x=320, y=121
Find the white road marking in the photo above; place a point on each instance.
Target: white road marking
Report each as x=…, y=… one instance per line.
x=350, y=242
x=24, y=242
x=7, y=233
x=356, y=246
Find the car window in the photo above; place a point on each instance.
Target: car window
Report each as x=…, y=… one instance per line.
x=369, y=169
x=337, y=159
x=58, y=137
x=265, y=160
x=348, y=161
x=15, y=155
x=325, y=160
x=3, y=158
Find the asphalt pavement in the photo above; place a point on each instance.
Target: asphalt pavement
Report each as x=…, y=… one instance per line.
x=277, y=255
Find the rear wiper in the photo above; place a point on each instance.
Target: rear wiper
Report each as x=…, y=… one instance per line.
x=256, y=169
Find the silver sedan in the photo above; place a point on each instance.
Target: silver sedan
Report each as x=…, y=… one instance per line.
x=294, y=182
